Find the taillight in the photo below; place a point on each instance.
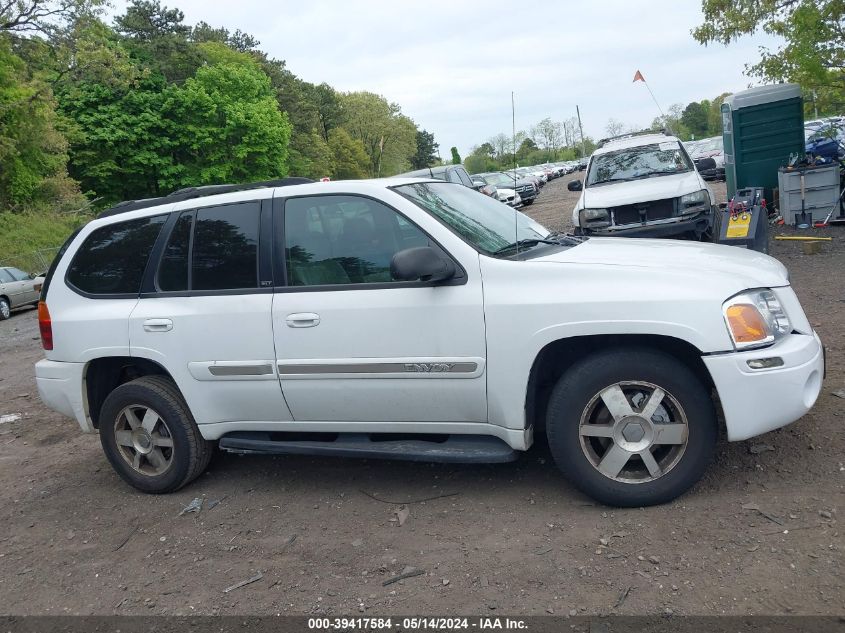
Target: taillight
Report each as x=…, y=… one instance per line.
x=45, y=325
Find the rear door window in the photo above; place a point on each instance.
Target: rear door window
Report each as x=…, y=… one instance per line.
x=225, y=247
x=5, y=277
x=112, y=259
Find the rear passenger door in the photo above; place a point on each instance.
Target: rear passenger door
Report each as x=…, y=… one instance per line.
x=205, y=312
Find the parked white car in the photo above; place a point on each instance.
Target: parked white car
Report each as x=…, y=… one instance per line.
x=509, y=196
x=413, y=319
x=643, y=185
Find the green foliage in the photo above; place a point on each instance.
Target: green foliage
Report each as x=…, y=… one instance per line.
x=426, y=150
x=456, y=157
x=694, y=118
x=388, y=136
x=350, y=159
x=33, y=152
x=22, y=235
x=120, y=143
x=157, y=37
x=225, y=126
x=813, y=31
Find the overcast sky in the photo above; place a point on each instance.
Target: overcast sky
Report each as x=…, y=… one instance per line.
x=451, y=66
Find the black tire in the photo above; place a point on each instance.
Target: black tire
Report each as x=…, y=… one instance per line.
x=575, y=394
x=528, y=202
x=5, y=309
x=190, y=453
x=716, y=227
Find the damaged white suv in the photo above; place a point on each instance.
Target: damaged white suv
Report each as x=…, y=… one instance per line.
x=413, y=319
x=643, y=185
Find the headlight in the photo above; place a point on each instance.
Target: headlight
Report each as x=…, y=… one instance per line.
x=755, y=319
x=594, y=217
x=695, y=202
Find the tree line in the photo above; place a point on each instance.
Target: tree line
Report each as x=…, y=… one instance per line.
x=148, y=104
x=545, y=141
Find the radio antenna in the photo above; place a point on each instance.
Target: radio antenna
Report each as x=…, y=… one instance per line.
x=513, y=146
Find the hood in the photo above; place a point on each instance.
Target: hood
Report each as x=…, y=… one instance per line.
x=643, y=190
x=747, y=268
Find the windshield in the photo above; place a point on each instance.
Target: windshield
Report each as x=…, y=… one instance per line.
x=708, y=145
x=658, y=159
x=485, y=223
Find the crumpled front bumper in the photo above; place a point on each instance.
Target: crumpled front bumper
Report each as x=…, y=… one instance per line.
x=755, y=401
x=658, y=228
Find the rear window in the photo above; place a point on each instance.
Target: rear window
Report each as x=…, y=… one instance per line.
x=112, y=259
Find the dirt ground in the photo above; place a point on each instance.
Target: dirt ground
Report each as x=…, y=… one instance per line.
x=759, y=535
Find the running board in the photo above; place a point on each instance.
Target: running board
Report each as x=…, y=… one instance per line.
x=472, y=449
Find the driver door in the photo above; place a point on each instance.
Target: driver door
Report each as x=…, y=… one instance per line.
x=352, y=344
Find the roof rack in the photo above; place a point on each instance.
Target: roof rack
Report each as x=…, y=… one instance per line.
x=605, y=141
x=189, y=193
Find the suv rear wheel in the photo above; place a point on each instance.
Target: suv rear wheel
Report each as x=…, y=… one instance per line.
x=632, y=427
x=150, y=437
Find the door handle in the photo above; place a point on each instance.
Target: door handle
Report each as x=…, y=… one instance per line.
x=303, y=319
x=158, y=325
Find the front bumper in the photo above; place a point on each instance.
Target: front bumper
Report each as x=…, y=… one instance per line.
x=755, y=401
x=659, y=228
x=713, y=174
x=62, y=388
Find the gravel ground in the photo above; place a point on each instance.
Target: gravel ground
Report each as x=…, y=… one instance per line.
x=759, y=535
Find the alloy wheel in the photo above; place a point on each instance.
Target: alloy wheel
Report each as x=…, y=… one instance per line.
x=144, y=440
x=633, y=432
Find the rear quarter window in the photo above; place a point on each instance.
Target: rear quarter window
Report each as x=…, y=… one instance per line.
x=111, y=261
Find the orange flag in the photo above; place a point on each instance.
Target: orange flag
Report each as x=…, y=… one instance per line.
x=639, y=77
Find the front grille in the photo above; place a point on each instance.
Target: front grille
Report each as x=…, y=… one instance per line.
x=654, y=210
x=522, y=188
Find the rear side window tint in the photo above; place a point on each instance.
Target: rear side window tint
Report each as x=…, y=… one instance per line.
x=5, y=277
x=112, y=259
x=173, y=270
x=225, y=247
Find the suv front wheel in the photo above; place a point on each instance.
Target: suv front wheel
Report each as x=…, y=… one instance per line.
x=632, y=427
x=150, y=437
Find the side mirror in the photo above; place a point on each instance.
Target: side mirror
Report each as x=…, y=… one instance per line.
x=575, y=185
x=478, y=184
x=704, y=164
x=32, y=275
x=422, y=263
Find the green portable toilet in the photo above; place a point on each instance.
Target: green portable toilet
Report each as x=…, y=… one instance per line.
x=761, y=127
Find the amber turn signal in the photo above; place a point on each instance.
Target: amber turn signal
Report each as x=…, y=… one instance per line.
x=746, y=323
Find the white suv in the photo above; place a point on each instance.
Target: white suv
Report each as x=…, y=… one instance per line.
x=413, y=319
x=643, y=185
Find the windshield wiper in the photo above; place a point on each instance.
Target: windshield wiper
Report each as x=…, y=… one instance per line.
x=565, y=238
x=607, y=180
x=652, y=174
x=529, y=241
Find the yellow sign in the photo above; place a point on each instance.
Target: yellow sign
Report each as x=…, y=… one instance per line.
x=738, y=225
